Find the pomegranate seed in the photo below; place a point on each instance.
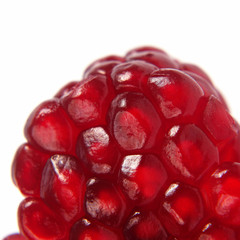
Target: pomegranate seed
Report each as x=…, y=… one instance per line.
x=38, y=221
x=188, y=67
x=213, y=231
x=182, y=209
x=218, y=121
x=144, y=226
x=97, y=151
x=104, y=202
x=166, y=84
x=27, y=169
x=63, y=186
x=221, y=191
x=142, y=177
x=131, y=75
x=134, y=121
x=85, y=229
x=48, y=128
x=189, y=152
x=158, y=58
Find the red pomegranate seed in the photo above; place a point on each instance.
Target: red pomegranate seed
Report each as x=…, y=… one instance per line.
x=218, y=121
x=213, y=231
x=207, y=87
x=230, y=152
x=144, y=226
x=101, y=67
x=182, y=209
x=85, y=229
x=38, y=221
x=134, y=121
x=221, y=191
x=133, y=75
x=49, y=128
x=65, y=90
x=88, y=102
x=142, y=177
x=97, y=151
x=188, y=67
x=188, y=152
x=104, y=202
x=176, y=94
x=63, y=186
x=158, y=58
x=27, y=169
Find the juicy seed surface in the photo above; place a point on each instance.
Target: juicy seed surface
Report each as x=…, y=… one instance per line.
x=142, y=148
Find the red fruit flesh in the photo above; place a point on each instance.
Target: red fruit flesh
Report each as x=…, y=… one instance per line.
x=143, y=148
x=133, y=121
x=213, y=231
x=63, y=185
x=218, y=121
x=182, y=209
x=189, y=152
x=104, y=202
x=27, y=169
x=142, y=226
x=222, y=193
x=158, y=58
x=176, y=94
x=97, y=151
x=142, y=177
x=187, y=67
x=38, y=221
x=85, y=229
x=49, y=128
x=86, y=104
x=133, y=75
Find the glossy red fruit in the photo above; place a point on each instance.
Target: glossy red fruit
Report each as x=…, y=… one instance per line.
x=27, y=169
x=142, y=148
x=192, y=68
x=219, y=122
x=182, y=209
x=222, y=193
x=103, y=66
x=176, y=94
x=98, y=152
x=49, y=129
x=104, y=202
x=143, y=226
x=38, y=221
x=132, y=75
x=133, y=121
x=63, y=186
x=86, y=104
x=142, y=177
x=189, y=152
x=213, y=231
x=85, y=229
x=158, y=58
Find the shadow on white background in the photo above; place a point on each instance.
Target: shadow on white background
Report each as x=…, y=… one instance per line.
x=45, y=44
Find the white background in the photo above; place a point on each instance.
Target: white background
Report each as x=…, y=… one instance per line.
x=45, y=44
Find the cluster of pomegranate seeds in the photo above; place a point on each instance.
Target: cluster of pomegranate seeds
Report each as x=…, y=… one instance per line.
x=143, y=148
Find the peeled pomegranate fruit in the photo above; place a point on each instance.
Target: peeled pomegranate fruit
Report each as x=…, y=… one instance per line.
x=143, y=148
